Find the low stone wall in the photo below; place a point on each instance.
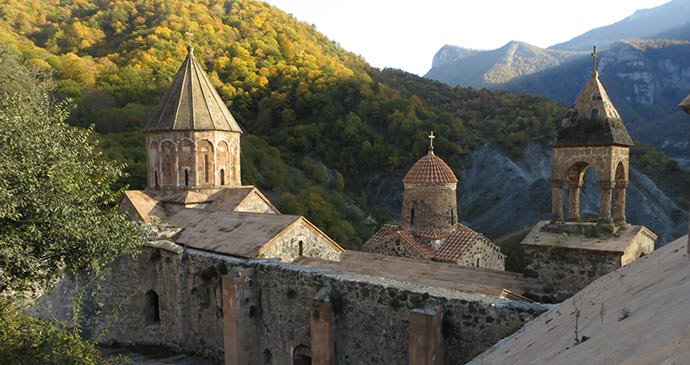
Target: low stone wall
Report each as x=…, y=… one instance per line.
x=562, y=272
x=274, y=310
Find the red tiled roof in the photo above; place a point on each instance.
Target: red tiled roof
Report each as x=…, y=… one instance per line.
x=430, y=169
x=433, y=234
x=416, y=244
x=384, y=231
x=388, y=230
x=457, y=243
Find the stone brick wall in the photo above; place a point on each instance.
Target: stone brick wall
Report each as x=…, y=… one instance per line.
x=369, y=324
x=254, y=204
x=302, y=240
x=483, y=254
x=170, y=153
x=562, y=272
x=604, y=160
x=435, y=206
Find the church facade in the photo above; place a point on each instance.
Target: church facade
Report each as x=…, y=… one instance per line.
x=195, y=194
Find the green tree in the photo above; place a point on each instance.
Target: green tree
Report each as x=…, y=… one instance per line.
x=57, y=209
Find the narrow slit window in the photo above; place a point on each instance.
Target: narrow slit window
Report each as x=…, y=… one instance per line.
x=152, y=308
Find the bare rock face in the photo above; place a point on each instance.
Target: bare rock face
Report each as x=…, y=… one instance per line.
x=498, y=195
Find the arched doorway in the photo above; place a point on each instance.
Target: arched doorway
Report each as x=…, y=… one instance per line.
x=152, y=308
x=301, y=355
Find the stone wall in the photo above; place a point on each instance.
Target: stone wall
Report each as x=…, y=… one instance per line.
x=274, y=313
x=603, y=159
x=170, y=153
x=562, y=272
x=303, y=239
x=429, y=206
x=483, y=254
x=254, y=204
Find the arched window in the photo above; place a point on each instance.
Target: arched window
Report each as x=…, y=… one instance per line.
x=452, y=217
x=155, y=178
x=207, y=172
x=300, y=248
x=151, y=309
x=477, y=261
x=186, y=177
x=595, y=113
x=222, y=176
x=411, y=216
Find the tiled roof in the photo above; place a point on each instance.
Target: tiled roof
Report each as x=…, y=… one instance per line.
x=192, y=103
x=593, y=120
x=417, y=245
x=455, y=245
x=685, y=104
x=430, y=169
x=384, y=231
x=388, y=230
x=433, y=234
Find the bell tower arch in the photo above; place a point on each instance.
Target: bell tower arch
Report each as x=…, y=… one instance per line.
x=592, y=135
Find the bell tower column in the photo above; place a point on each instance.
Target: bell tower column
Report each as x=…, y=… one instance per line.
x=619, y=203
x=556, y=200
x=605, y=193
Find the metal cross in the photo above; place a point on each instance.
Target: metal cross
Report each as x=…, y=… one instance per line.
x=431, y=140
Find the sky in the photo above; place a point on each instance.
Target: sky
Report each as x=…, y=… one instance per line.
x=406, y=34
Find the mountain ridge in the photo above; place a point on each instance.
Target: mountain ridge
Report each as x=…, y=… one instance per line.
x=325, y=131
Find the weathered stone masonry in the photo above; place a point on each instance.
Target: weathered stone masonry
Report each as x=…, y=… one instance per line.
x=274, y=310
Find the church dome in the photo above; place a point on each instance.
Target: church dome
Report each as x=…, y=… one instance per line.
x=430, y=169
x=192, y=103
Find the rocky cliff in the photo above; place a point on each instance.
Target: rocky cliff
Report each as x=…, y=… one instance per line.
x=645, y=80
x=455, y=65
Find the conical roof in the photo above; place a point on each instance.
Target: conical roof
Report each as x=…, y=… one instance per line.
x=192, y=103
x=685, y=104
x=430, y=169
x=593, y=120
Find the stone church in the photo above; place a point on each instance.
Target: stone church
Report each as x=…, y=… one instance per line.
x=195, y=193
x=429, y=226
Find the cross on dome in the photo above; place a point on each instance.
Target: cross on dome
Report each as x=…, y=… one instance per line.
x=431, y=141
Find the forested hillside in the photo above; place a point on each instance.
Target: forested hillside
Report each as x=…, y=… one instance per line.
x=321, y=125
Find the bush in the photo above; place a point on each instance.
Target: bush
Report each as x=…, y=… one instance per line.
x=26, y=340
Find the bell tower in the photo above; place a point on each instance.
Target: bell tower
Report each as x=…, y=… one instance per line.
x=192, y=140
x=592, y=135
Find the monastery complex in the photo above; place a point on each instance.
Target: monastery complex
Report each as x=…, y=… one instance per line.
x=223, y=274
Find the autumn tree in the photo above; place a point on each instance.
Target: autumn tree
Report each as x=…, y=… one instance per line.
x=57, y=208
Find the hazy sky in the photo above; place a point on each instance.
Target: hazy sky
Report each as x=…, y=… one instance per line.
x=406, y=34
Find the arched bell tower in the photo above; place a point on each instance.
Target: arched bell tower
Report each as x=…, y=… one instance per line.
x=192, y=140
x=592, y=135
x=429, y=197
